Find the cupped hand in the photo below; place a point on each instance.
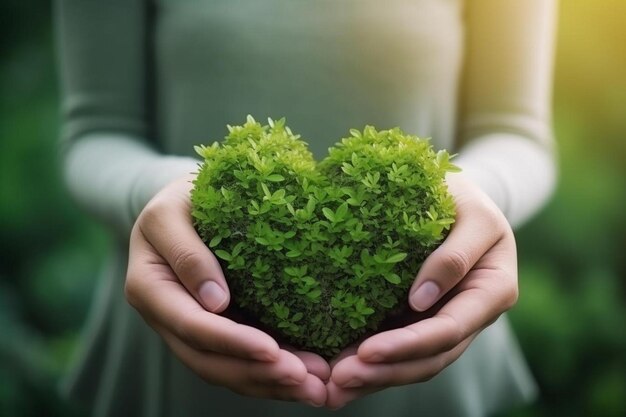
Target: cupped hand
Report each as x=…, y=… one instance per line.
x=178, y=287
x=474, y=270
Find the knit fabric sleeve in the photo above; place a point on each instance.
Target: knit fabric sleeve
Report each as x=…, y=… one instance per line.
x=507, y=146
x=111, y=163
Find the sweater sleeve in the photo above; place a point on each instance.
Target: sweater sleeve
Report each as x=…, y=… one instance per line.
x=505, y=130
x=111, y=165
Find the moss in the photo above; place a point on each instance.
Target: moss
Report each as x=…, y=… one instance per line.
x=321, y=253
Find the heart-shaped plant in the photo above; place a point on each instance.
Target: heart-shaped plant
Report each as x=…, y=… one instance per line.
x=321, y=252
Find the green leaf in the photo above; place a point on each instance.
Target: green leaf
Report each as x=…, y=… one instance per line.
x=342, y=211
x=220, y=253
x=278, y=195
x=329, y=214
x=310, y=281
x=314, y=294
x=367, y=311
x=266, y=190
x=275, y=178
x=238, y=248
x=356, y=323
x=262, y=240
x=396, y=258
x=281, y=311
x=215, y=241
x=393, y=278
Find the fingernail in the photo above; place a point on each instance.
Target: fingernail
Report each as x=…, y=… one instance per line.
x=425, y=296
x=353, y=383
x=212, y=295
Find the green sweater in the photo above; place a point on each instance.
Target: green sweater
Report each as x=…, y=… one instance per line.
x=143, y=81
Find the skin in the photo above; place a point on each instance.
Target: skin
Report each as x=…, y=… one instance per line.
x=175, y=283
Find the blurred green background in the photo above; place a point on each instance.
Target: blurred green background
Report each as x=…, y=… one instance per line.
x=571, y=317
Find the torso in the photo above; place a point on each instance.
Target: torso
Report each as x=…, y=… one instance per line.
x=326, y=65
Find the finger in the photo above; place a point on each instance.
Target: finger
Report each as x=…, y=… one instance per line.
x=285, y=379
x=476, y=230
x=163, y=302
x=166, y=223
x=315, y=364
x=482, y=298
x=230, y=371
x=338, y=397
x=354, y=373
x=311, y=391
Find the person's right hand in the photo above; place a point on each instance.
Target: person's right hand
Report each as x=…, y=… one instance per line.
x=177, y=285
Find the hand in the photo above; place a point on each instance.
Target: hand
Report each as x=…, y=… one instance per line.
x=475, y=270
x=177, y=285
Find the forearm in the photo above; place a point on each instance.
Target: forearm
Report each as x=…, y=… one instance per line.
x=114, y=175
x=517, y=173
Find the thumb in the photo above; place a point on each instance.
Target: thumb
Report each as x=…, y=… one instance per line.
x=470, y=238
x=167, y=225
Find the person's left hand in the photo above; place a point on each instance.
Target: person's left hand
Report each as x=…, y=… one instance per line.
x=475, y=268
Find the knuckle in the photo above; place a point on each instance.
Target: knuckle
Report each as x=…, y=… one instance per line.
x=186, y=326
x=197, y=333
x=456, y=263
x=223, y=345
x=485, y=206
x=134, y=283
x=256, y=373
x=130, y=290
x=511, y=296
x=491, y=217
x=152, y=211
x=455, y=333
x=184, y=261
x=133, y=287
x=436, y=365
x=430, y=372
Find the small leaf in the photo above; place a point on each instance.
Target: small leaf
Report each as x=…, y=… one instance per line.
x=356, y=323
x=275, y=178
x=392, y=278
x=367, y=311
x=266, y=190
x=329, y=214
x=396, y=258
x=314, y=294
x=342, y=211
x=237, y=249
x=215, y=241
x=220, y=253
